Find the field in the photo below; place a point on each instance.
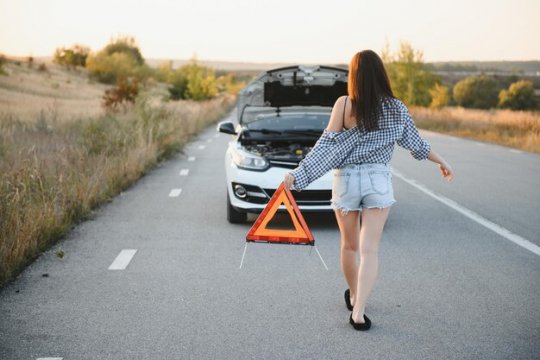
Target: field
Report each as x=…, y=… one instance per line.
x=517, y=129
x=61, y=154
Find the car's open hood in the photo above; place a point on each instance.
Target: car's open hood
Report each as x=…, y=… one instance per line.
x=294, y=86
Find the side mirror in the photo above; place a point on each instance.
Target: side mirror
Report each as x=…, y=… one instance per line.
x=226, y=127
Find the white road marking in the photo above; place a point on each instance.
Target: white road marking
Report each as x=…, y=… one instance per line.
x=175, y=192
x=480, y=144
x=201, y=147
x=123, y=259
x=453, y=138
x=507, y=234
x=50, y=358
x=516, y=151
x=209, y=140
x=191, y=158
x=184, y=172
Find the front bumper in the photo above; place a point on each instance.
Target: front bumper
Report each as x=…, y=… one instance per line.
x=261, y=185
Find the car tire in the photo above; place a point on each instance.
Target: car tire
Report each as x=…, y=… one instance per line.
x=234, y=216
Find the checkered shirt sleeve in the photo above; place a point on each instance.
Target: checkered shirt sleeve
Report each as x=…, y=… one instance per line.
x=410, y=138
x=329, y=152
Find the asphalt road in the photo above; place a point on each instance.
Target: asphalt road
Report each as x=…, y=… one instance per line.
x=448, y=288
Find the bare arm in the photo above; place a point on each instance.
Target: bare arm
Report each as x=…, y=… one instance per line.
x=446, y=169
x=336, y=118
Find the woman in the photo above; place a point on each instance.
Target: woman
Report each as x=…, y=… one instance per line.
x=359, y=142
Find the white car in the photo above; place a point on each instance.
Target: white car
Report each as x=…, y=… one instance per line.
x=280, y=115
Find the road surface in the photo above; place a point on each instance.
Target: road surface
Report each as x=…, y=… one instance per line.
x=156, y=274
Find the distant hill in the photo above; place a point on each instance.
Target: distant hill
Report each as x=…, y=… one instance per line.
x=234, y=65
x=531, y=68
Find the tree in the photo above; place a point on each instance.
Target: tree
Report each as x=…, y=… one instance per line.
x=519, y=96
x=410, y=78
x=476, y=92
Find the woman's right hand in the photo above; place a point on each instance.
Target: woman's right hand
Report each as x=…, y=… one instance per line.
x=446, y=170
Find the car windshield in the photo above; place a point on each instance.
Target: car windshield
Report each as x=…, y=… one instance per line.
x=286, y=122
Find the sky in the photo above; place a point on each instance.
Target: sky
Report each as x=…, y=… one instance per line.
x=277, y=30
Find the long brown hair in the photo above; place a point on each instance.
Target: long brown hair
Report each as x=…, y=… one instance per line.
x=367, y=83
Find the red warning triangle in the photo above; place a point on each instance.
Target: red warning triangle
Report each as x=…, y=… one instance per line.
x=300, y=234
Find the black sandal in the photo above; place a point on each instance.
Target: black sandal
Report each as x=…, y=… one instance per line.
x=348, y=299
x=361, y=327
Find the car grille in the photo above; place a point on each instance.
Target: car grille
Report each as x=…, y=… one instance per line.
x=283, y=164
x=256, y=195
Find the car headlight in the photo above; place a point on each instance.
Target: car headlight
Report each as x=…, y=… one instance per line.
x=248, y=161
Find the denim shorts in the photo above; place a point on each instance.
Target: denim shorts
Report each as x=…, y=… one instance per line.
x=358, y=186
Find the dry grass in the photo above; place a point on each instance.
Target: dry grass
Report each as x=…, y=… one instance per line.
x=518, y=129
x=26, y=94
x=53, y=172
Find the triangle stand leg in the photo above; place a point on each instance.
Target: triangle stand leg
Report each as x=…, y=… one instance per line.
x=320, y=257
x=244, y=254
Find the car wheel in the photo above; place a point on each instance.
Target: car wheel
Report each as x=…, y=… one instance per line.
x=234, y=216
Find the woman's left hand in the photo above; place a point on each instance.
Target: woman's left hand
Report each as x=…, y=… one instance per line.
x=288, y=180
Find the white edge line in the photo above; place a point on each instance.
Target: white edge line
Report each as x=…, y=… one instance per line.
x=507, y=234
x=320, y=257
x=244, y=254
x=123, y=259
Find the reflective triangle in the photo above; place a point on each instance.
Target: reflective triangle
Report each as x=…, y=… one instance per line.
x=300, y=234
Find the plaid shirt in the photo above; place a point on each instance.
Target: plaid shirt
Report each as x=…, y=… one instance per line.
x=333, y=149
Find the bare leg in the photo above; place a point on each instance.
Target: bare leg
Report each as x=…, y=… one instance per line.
x=373, y=221
x=349, y=228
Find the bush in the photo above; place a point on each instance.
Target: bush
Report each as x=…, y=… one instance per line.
x=71, y=57
x=191, y=81
x=118, y=61
x=122, y=94
x=439, y=96
x=125, y=45
x=519, y=96
x=2, y=62
x=478, y=92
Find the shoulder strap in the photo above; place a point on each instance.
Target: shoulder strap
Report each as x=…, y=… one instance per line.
x=344, y=105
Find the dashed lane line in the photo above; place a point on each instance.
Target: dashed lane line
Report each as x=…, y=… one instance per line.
x=507, y=234
x=123, y=259
x=175, y=192
x=201, y=147
x=191, y=158
x=184, y=172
